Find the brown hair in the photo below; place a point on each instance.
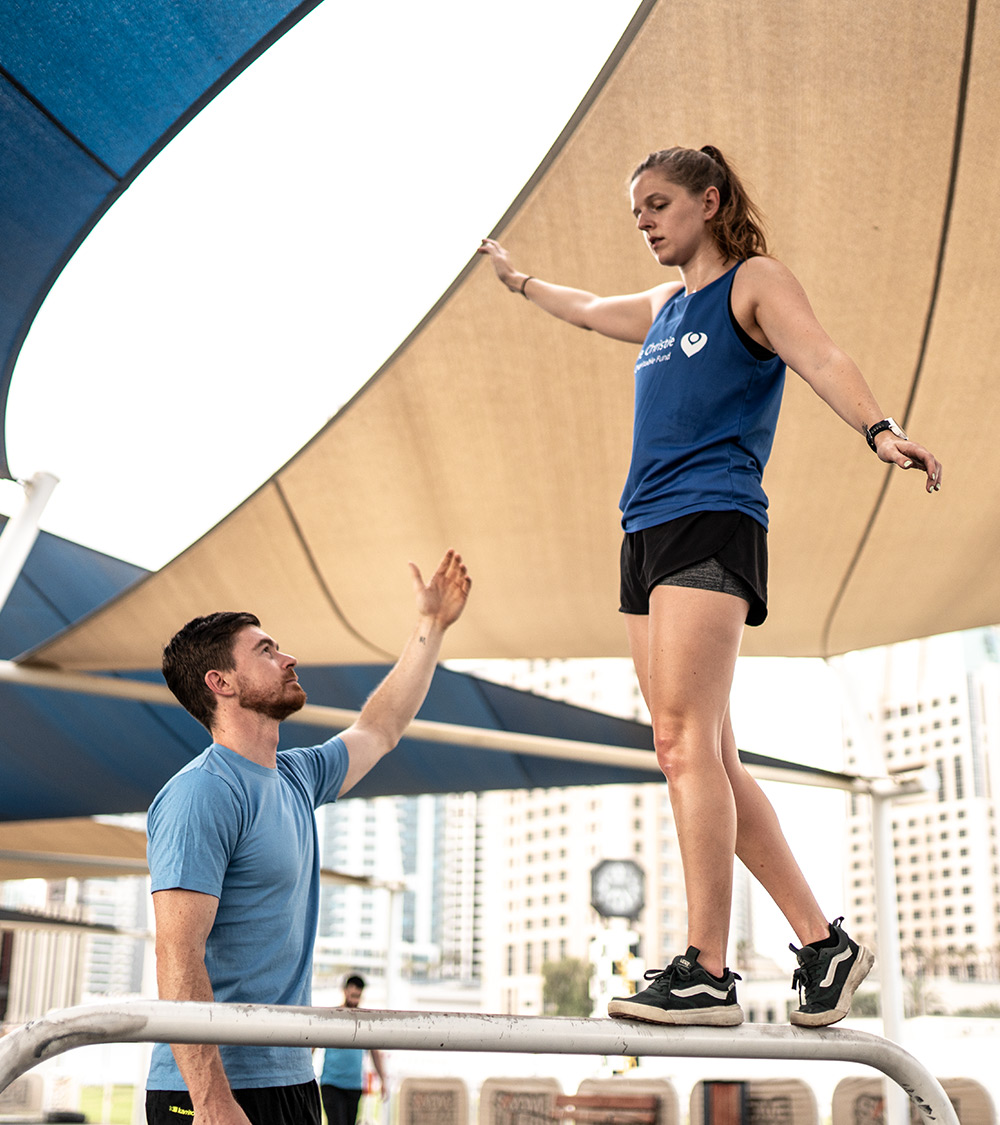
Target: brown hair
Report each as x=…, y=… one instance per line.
x=202, y=644
x=738, y=225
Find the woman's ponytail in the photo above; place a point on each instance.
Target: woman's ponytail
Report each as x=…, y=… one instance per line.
x=738, y=224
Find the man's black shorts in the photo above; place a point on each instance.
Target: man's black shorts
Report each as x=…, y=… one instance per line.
x=265, y=1105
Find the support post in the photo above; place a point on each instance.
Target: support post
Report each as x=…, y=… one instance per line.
x=889, y=951
x=22, y=530
x=890, y=962
x=394, y=958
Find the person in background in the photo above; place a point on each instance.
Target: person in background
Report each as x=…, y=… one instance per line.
x=340, y=1082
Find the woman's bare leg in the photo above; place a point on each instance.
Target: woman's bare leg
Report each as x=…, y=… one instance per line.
x=685, y=653
x=761, y=845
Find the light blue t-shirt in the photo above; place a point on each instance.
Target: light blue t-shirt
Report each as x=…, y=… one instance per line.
x=342, y=1067
x=245, y=833
x=706, y=410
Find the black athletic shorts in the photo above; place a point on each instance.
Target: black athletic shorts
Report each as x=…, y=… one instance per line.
x=680, y=553
x=264, y=1105
x=340, y=1105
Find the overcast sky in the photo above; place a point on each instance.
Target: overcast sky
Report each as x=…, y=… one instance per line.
x=278, y=251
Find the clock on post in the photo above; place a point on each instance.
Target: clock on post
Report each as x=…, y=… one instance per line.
x=617, y=889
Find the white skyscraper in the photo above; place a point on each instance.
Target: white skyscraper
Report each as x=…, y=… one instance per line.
x=935, y=704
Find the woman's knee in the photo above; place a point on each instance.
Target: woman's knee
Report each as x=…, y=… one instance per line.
x=682, y=746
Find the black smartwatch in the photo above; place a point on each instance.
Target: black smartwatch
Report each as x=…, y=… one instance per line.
x=885, y=424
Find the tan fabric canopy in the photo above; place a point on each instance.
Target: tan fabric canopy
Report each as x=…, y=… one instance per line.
x=868, y=133
x=81, y=848
x=72, y=848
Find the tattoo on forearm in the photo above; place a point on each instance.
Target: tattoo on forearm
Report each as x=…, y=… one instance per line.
x=423, y=640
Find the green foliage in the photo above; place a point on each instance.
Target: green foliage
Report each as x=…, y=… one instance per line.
x=92, y=1103
x=987, y=1011
x=921, y=1000
x=865, y=1004
x=566, y=988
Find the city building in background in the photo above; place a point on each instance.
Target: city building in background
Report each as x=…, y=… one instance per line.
x=935, y=705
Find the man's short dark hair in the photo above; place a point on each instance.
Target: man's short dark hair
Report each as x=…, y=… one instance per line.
x=354, y=982
x=202, y=644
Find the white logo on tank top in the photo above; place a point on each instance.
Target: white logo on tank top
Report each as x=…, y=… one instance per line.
x=693, y=342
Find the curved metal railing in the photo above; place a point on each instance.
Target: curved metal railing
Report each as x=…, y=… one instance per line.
x=161, y=1021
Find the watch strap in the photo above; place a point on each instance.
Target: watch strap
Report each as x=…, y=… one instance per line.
x=871, y=432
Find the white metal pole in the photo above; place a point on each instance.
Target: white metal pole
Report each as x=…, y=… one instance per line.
x=394, y=958
x=22, y=530
x=890, y=964
x=188, y=1022
x=337, y=718
x=889, y=952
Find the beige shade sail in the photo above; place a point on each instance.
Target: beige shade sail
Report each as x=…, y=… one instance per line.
x=70, y=848
x=868, y=133
x=81, y=848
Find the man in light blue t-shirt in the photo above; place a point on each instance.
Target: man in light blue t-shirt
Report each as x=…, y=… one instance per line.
x=233, y=854
x=341, y=1080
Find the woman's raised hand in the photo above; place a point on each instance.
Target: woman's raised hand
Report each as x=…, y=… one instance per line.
x=501, y=263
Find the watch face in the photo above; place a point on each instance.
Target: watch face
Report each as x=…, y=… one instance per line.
x=617, y=888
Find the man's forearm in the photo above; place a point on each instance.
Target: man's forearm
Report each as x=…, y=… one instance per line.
x=395, y=702
x=200, y=1064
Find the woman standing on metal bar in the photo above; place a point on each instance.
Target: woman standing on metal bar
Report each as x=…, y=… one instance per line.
x=708, y=384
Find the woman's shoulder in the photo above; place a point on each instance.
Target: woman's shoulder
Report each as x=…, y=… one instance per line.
x=761, y=276
x=762, y=268
x=660, y=294
x=763, y=265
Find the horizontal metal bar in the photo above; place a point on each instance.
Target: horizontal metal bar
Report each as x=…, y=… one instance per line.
x=121, y=864
x=160, y=1021
x=337, y=718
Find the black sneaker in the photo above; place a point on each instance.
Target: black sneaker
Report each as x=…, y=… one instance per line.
x=827, y=977
x=683, y=992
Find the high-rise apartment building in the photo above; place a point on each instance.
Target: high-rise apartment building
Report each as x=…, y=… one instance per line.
x=935, y=705
x=115, y=964
x=544, y=844
x=357, y=837
x=459, y=888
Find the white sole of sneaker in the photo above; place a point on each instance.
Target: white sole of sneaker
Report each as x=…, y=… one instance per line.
x=728, y=1016
x=859, y=970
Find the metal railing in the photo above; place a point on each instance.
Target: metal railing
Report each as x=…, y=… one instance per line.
x=161, y=1021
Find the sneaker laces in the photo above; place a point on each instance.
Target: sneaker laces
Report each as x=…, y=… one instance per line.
x=806, y=976
x=664, y=978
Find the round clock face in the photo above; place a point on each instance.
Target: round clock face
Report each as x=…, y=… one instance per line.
x=617, y=888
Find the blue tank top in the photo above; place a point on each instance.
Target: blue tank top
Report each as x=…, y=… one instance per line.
x=343, y=1068
x=705, y=414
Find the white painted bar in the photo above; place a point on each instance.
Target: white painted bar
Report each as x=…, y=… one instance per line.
x=505, y=741
x=889, y=949
x=160, y=1021
x=21, y=531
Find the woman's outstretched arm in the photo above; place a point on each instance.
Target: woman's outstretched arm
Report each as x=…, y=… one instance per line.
x=626, y=317
x=778, y=304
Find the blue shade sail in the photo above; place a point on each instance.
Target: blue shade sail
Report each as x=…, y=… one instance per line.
x=65, y=754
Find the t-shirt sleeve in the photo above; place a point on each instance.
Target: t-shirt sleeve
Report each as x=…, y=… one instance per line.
x=192, y=830
x=321, y=769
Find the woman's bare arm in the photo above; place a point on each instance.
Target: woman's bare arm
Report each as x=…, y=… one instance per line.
x=627, y=317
